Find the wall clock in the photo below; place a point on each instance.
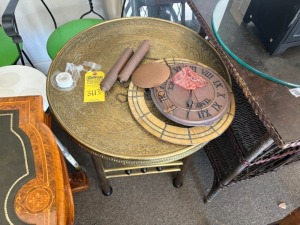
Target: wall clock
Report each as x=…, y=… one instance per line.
x=150, y=118
x=193, y=95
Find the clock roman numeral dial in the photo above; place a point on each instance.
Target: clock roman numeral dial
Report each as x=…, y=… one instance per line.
x=194, y=68
x=207, y=73
x=221, y=95
x=176, y=68
x=168, y=106
x=218, y=83
x=216, y=106
x=203, y=103
x=196, y=96
x=204, y=113
x=171, y=86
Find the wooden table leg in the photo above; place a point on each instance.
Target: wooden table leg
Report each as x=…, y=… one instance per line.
x=178, y=180
x=104, y=184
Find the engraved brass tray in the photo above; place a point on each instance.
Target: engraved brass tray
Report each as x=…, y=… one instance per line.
x=108, y=129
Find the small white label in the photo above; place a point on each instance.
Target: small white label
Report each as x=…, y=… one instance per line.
x=295, y=92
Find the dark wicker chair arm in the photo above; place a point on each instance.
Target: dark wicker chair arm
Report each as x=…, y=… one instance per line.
x=9, y=22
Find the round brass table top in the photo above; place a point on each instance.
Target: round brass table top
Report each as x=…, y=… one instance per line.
x=108, y=129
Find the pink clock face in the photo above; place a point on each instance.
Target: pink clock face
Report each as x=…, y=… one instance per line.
x=190, y=105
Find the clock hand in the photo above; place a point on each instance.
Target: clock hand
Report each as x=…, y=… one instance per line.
x=189, y=103
x=195, y=95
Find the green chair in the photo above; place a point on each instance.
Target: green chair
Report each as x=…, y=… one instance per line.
x=9, y=54
x=21, y=80
x=11, y=49
x=62, y=34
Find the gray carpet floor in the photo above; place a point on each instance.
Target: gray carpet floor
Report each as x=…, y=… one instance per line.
x=152, y=199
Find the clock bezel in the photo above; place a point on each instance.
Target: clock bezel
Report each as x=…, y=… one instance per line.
x=179, y=109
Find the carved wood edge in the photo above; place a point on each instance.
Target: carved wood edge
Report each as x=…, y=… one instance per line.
x=43, y=199
x=69, y=206
x=240, y=81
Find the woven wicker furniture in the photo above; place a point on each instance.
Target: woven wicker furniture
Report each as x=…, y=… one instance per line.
x=264, y=134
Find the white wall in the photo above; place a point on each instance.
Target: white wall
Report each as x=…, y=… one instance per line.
x=35, y=24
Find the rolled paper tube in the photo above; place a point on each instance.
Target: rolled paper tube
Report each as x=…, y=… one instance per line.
x=134, y=61
x=112, y=75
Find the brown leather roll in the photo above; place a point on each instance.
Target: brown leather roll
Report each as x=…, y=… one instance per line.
x=134, y=61
x=112, y=75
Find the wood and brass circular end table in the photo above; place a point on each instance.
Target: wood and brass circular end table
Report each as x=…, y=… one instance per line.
x=108, y=130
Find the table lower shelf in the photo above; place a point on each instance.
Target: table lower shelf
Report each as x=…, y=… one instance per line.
x=126, y=171
x=104, y=173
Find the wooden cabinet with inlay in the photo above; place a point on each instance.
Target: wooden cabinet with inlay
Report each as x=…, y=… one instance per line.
x=34, y=184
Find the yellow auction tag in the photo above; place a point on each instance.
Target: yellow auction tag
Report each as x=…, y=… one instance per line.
x=92, y=91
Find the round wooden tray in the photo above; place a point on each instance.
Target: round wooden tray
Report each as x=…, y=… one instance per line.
x=148, y=117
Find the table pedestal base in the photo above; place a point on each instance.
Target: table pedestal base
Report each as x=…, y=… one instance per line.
x=104, y=174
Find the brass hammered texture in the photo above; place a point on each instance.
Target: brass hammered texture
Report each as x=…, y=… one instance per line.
x=108, y=128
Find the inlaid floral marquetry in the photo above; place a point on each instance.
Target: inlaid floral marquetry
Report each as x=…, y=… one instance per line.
x=34, y=181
